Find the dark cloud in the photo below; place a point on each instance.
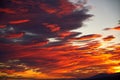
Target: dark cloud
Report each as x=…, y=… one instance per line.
x=42, y=17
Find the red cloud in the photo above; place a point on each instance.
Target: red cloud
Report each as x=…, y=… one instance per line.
x=7, y=10
x=14, y=35
x=48, y=8
x=65, y=8
x=2, y=26
x=109, y=38
x=52, y=27
x=64, y=34
x=19, y=21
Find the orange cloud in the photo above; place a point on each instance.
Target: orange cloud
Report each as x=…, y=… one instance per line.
x=29, y=73
x=66, y=59
x=115, y=28
x=109, y=38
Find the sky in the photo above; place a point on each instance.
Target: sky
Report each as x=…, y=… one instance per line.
x=46, y=39
x=105, y=15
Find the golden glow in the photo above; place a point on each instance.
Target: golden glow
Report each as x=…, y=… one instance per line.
x=26, y=74
x=116, y=69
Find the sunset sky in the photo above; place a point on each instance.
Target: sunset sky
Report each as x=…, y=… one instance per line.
x=46, y=39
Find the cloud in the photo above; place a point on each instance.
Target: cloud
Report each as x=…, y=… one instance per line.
x=115, y=28
x=19, y=21
x=88, y=37
x=65, y=34
x=25, y=35
x=16, y=35
x=45, y=18
x=52, y=27
x=7, y=10
x=109, y=38
x=2, y=26
x=63, y=59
